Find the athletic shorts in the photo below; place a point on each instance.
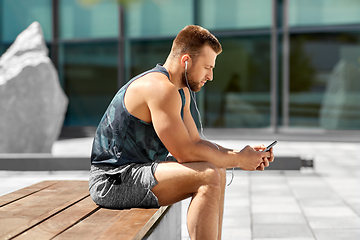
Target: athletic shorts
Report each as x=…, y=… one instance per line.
x=125, y=186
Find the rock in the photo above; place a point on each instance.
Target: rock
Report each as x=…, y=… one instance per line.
x=32, y=102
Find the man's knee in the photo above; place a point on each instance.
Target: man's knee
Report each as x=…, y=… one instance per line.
x=212, y=176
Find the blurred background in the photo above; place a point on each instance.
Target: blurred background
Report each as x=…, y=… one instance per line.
x=287, y=67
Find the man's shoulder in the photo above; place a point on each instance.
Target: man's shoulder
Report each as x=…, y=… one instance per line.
x=156, y=83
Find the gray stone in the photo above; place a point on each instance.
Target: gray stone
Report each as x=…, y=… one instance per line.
x=32, y=102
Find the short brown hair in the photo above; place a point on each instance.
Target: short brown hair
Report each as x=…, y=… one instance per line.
x=192, y=39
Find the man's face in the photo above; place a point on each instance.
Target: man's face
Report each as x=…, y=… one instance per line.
x=201, y=71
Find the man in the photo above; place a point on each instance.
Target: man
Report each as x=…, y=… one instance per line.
x=150, y=117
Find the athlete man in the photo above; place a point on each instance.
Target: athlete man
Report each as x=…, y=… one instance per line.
x=150, y=117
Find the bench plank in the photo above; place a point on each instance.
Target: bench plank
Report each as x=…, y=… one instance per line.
x=61, y=221
x=91, y=227
x=131, y=225
x=37, y=207
x=64, y=210
x=21, y=193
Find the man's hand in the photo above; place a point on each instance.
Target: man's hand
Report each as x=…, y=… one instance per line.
x=254, y=159
x=266, y=161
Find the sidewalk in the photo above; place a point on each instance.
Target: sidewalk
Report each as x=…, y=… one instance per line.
x=322, y=203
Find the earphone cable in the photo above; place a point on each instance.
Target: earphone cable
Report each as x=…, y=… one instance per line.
x=192, y=94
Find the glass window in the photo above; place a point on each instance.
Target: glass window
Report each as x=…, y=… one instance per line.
x=239, y=95
x=89, y=71
x=324, y=81
x=78, y=20
x=2, y=50
x=323, y=12
x=144, y=55
x=234, y=14
x=17, y=15
x=157, y=18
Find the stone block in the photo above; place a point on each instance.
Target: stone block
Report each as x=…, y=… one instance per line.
x=32, y=102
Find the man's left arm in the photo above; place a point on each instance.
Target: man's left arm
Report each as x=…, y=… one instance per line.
x=194, y=133
x=192, y=129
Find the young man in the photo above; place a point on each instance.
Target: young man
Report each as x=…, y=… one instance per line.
x=150, y=117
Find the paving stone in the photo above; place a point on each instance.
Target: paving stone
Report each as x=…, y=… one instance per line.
x=321, y=202
x=295, y=238
x=281, y=231
x=275, y=208
x=237, y=222
x=276, y=218
x=337, y=234
x=237, y=233
x=334, y=222
x=342, y=211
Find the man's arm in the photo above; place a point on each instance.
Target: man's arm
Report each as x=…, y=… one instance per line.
x=182, y=139
x=193, y=131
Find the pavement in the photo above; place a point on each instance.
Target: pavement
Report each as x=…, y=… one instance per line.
x=320, y=203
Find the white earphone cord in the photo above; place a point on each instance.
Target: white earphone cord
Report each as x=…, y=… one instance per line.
x=192, y=94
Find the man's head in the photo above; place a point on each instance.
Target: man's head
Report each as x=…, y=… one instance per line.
x=191, y=40
x=195, y=49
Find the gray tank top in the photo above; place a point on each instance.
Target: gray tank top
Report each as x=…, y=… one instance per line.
x=122, y=138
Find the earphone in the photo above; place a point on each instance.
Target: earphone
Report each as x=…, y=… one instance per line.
x=199, y=117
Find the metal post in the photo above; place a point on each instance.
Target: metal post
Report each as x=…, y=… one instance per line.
x=286, y=65
x=274, y=65
x=55, y=34
x=1, y=21
x=196, y=12
x=121, y=48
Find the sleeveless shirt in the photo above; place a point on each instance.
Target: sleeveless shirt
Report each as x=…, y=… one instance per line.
x=122, y=138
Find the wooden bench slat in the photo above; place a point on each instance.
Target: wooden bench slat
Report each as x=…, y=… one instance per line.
x=29, y=211
x=131, y=225
x=91, y=227
x=64, y=210
x=21, y=193
x=61, y=221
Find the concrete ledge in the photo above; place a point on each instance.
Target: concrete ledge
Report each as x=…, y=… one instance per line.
x=42, y=162
x=168, y=227
x=47, y=162
x=285, y=163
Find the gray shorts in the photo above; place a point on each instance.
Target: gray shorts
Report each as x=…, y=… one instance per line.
x=126, y=186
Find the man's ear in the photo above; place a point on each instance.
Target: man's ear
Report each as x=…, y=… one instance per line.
x=185, y=58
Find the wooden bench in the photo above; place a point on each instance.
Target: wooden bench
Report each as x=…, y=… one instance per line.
x=64, y=210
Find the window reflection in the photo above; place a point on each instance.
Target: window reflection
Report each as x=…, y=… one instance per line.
x=325, y=81
x=235, y=14
x=17, y=15
x=144, y=55
x=98, y=20
x=239, y=96
x=323, y=12
x=89, y=71
x=157, y=18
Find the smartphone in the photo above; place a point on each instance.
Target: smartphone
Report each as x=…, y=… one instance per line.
x=270, y=146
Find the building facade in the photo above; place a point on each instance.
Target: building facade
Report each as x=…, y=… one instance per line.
x=286, y=64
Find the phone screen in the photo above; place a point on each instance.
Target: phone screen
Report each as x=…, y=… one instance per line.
x=270, y=146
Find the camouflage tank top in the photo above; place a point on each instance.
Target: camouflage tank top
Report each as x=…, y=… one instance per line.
x=122, y=138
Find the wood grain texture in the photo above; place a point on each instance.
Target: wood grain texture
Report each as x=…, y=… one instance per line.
x=64, y=210
x=29, y=211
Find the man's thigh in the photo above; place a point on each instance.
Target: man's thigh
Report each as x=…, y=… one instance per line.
x=178, y=181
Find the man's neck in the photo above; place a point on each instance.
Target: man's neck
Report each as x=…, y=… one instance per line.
x=175, y=72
